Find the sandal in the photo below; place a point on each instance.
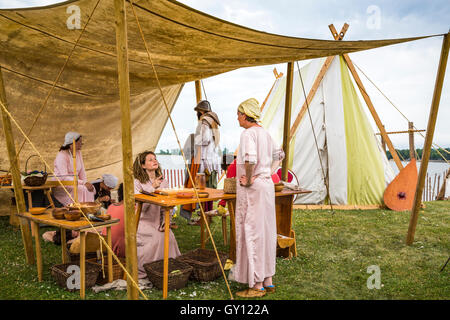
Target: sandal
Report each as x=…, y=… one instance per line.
x=251, y=293
x=270, y=289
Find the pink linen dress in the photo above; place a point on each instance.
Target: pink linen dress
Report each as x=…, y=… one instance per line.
x=64, y=171
x=150, y=241
x=117, y=211
x=256, y=229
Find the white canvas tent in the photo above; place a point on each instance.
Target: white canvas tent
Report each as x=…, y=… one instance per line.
x=354, y=164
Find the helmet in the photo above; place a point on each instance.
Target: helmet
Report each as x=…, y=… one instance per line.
x=203, y=106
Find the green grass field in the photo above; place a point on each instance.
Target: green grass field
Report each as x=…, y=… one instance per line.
x=334, y=252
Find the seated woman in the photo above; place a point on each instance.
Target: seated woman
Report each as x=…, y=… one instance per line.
x=64, y=171
x=150, y=239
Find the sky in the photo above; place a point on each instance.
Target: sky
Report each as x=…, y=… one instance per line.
x=405, y=73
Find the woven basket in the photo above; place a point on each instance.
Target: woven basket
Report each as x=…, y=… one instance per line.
x=117, y=270
x=205, y=264
x=176, y=280
x=60, y=275
x=34, y=181
x=5, y=180
x=229, y=185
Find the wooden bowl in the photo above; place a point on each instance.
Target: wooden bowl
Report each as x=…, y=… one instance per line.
x=87, y=207
x=104, y=216
x=37, y=210
x=58, y=213
x=278, y=187
x=203, y=194
x=72, y=215
x=185, y=195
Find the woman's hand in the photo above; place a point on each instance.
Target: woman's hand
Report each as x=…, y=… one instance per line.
x=157, y=182
x=243, y=181
x=89, y=186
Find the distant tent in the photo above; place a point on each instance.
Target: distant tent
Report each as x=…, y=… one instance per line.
x=353, y=161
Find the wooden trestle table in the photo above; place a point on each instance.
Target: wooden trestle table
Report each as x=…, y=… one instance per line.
x=283, y=203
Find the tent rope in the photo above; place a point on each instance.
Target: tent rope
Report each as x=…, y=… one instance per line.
x=203, y=87
x=179, y=144
x=325, y=180
x=403, y=115
x=70, y=196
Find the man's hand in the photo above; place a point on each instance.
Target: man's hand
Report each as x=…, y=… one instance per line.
x=89, y=186
x=104, y=199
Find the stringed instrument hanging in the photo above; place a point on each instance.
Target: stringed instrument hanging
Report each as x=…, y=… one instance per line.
x=399, y=194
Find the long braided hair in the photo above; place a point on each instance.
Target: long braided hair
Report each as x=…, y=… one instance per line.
x=139, y=172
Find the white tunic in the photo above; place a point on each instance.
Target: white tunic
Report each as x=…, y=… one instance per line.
x=256, y=230
x=210, y=158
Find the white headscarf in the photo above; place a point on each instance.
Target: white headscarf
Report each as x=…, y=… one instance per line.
x=110, y=180
x=70, y=136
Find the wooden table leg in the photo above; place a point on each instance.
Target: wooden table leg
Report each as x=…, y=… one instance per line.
x=166, y=252
x=202, y=229
x=138, y=213
x=224, y=230
x=82, y=264
x=110, y=258
x=65, y=258
x=231, y=206
x=49, y=197
x=30, y=205
x=35, y=228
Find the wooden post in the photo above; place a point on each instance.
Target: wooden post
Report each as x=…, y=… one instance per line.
x=75, y=175
x=428, y=138
x=198, y=90
x=383, y=143
x=15, y=172
x=287, y=120
x=127, y=154
x=412, y=150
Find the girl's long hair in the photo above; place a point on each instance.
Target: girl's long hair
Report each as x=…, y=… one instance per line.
x=139, y=172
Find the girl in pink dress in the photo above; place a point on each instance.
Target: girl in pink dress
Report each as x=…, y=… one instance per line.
x=150, y=239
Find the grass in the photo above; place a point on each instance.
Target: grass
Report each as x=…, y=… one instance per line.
x=334, y=252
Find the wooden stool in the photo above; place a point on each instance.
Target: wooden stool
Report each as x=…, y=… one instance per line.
x=215, y=213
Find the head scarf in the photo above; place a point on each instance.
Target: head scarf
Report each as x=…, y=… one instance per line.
x=251, y=108
x=70, y=136
x=110, y=180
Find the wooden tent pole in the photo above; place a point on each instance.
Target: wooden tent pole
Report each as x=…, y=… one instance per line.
x=412, y=152
x=198, y=91
x=15, y=172
x=287, y=120
x=429, y=138
x=127, y=154
x=366, y=97
x=75, y=175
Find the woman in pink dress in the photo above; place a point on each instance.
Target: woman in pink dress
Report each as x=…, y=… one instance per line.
x=149, y=238
x=64, y=171
x=255, y=218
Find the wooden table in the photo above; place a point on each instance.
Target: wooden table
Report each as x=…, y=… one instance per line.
x=283, y=204
x=81, y=225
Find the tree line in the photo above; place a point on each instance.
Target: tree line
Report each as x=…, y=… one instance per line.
x=434, y=155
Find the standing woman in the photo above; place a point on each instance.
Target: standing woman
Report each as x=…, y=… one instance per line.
x=256, y=234
x=64, y=171
x=149, y=238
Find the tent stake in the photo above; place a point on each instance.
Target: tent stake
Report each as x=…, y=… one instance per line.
x=15, y=172
x=127, y=154
x=428, y=138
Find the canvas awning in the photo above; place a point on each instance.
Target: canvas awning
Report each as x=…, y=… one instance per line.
x=185, y=45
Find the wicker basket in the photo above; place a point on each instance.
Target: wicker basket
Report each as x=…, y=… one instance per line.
x=5, y=180
x=229, y=185
x=60, y=275
x=205, y=264
x=117, y=270
x=34, y=181
x=177, y=280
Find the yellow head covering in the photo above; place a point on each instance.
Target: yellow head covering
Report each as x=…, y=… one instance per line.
x=251, y=108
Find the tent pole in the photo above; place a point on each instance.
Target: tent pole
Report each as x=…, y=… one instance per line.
x=428, y=138
x=198, y=91
x=287, y=120
x=412, y=152
x=127, y=154
x=15, y=172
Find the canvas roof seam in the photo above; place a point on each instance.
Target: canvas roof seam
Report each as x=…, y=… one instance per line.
x=79, y=45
